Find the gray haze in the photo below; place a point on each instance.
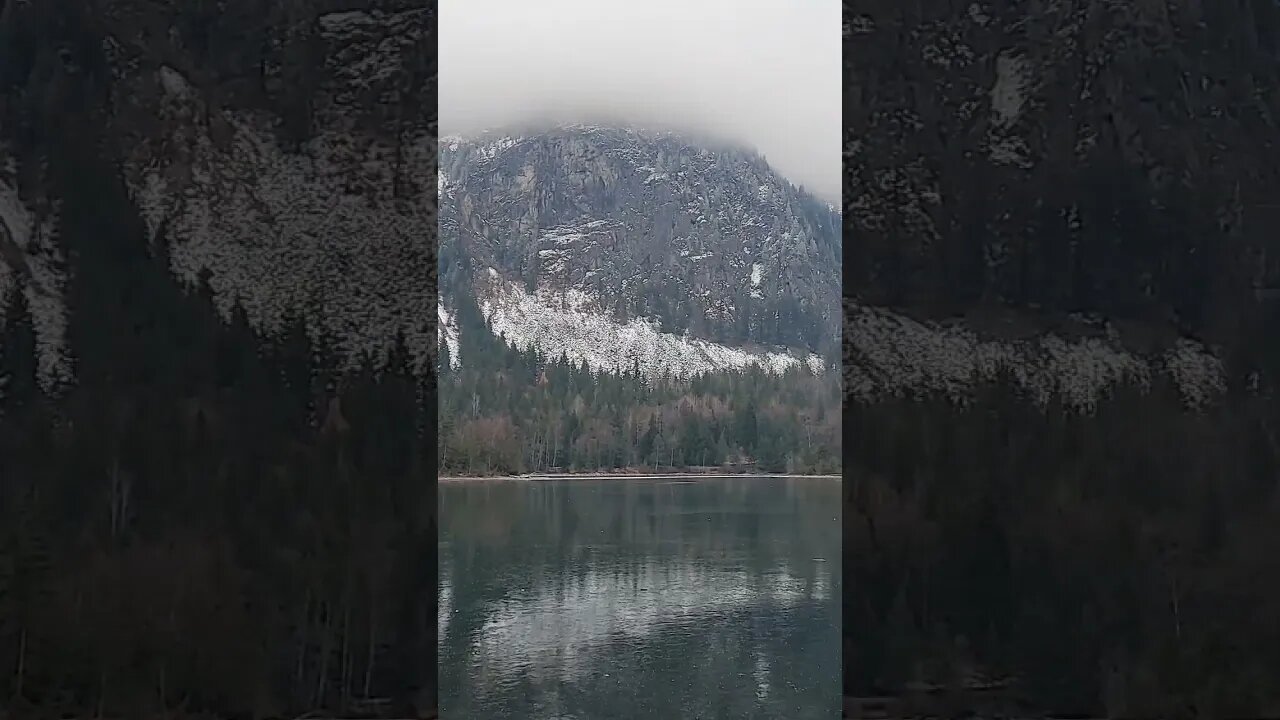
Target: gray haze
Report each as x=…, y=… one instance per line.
x=761, y=72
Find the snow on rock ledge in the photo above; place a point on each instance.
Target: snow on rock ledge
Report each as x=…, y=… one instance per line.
x=447, y=333
x=889, y=355
x=321, y=230
x=559, y=322
x=30, y=257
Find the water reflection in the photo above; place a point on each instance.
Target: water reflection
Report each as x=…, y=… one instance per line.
x=640, y=599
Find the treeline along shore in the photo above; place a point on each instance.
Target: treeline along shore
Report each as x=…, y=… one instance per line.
x=639, y=474
x=507, y=411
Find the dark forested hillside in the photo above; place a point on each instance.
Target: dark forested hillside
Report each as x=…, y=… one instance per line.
x=205, y=519
x=1117, y=562
x=1038, y=162
x=1115, y=157
x=196, y=517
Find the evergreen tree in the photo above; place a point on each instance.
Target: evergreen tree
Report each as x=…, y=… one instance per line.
x=564, y=414
x=18, y=361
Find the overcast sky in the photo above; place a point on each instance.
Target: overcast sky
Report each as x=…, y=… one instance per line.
x=762, y=72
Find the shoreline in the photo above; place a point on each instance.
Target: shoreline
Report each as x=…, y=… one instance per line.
x=546, y=477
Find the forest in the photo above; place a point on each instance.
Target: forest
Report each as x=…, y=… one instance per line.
x=1120, y=562
x=1117, y=564
x=206, y=520
x=506, y=411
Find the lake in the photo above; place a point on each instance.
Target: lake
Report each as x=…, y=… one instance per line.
x=618, y=599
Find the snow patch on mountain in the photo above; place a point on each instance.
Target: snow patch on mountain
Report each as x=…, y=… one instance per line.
x=562, y=321
x=1199, y=375
x=336, y=229
x=1009, y=92
x=619, y=213
x=889, y=355
x=31, y=258
x=447, y=333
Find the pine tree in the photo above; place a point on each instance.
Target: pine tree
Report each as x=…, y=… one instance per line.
x=18, y=360
x=647, y=440
x=746, y=428
x=294, y=356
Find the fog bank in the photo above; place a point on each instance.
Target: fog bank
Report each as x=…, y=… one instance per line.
x=765, y=73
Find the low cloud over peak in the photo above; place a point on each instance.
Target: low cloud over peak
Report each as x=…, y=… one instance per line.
x=765, y=73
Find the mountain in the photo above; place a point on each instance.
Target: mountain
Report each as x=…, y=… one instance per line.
x=598, y=282
x=619, y=245
x=1061, y=352
x=1104, y=158
x=210, y=502
x=251, y=143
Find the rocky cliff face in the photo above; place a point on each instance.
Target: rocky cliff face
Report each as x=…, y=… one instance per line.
x=281, y=151
x=613, y=245
x=1046, y=161
x=1038, y=165
x=1073, y=155
x=631, y=224
x=1074, y=363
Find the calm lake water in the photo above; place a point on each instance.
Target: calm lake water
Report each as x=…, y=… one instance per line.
x=611, y=599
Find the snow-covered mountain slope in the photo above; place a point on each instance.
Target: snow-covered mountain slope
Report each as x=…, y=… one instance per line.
x=281, y=149
x=447, y=332
x=887, y=354
x=31, y=259
x=639, y=224
x=554, y=236
x=336, y=227
x=609, y=241
x=557, y=322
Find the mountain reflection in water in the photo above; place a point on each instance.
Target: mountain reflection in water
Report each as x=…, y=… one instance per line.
x=640, y=599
